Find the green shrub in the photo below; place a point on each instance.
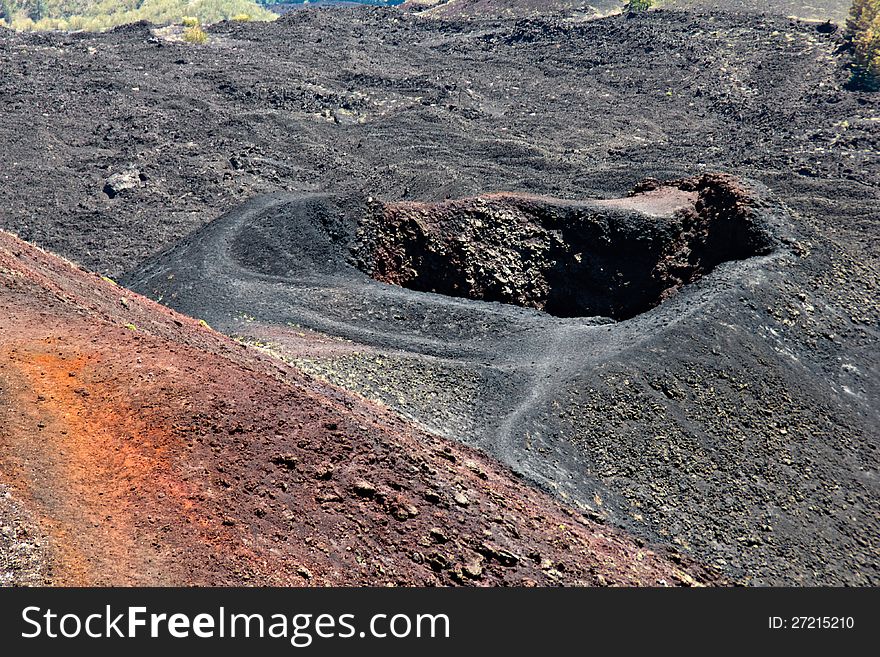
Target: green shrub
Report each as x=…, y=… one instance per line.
x=242, y=18
x=5, y=12
x=195, y=34
x=189, y=21
x=863, y=32
x=635, y=6
x=38, y=10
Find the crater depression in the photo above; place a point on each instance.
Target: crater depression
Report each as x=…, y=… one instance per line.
x=614, y=258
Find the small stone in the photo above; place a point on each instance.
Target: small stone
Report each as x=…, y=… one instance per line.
x=437, y=561
x=325, y=496
x=324, y=471
x=461, y=499
x=287, y=461
x=504, y=557
x=364, y=488
x=437, y=535
x=119, y=182
x=474, y=467
x=402, y=510
x=305, y=572
x=473, y=569
x=446, y=454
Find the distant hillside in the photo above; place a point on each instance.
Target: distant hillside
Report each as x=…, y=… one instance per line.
x=94, y=15
x=835, y=10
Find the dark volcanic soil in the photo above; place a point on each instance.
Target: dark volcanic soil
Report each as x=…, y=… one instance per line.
x=140, y=447
x=822, y=10
x=737, y=420
x=511, y=8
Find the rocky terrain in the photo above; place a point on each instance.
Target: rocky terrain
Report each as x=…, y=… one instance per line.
x=815, y=10
x=819, y=10
x=140, y=447
x=734, y=419
x=511, y=8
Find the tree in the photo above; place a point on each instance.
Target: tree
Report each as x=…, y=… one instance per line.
x=38, y=10
x=863, y=32
x=636, y=6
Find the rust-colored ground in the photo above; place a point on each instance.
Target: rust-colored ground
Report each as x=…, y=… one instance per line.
x=151, y=450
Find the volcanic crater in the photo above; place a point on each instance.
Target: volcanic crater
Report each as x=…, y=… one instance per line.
x=736, y=420
x=615, y=258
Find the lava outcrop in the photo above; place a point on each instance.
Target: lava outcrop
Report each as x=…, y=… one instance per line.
x=613, y=258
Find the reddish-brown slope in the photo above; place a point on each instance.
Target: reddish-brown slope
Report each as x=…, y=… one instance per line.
x=152, y=450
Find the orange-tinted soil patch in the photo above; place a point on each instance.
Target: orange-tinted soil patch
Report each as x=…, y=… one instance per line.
x=77, y=431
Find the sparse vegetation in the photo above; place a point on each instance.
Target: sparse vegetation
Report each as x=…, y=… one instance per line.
x=97, y=15
x=636, y=6
x=38, y=10
x=863, y=32
x=195, y=34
